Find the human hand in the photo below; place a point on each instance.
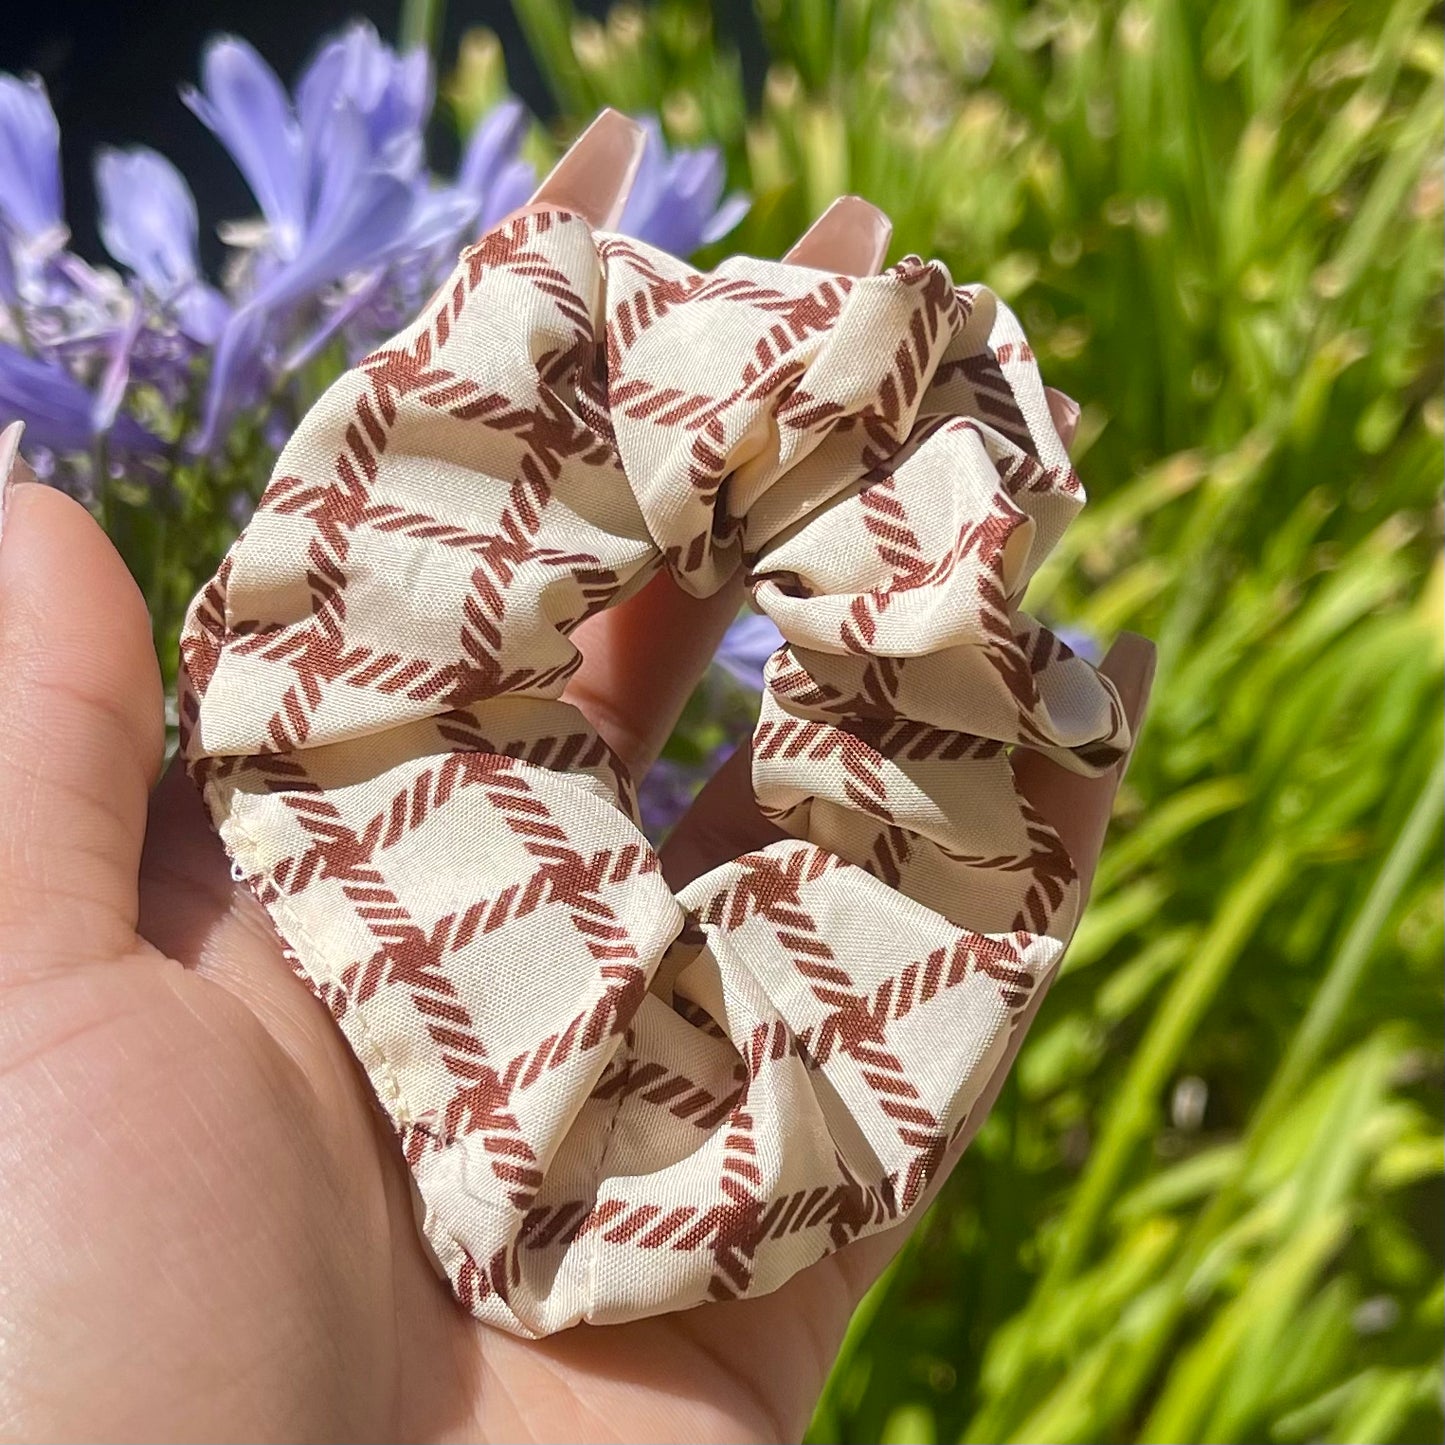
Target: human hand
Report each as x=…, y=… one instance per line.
x=208, y=1227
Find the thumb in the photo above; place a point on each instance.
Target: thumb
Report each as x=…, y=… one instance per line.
x=81, y=730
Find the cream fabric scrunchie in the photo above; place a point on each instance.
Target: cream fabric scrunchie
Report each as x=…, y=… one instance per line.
x=613, y=1101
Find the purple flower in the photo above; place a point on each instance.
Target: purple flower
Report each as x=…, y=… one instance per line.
x=666, y=794
x=75, y=326
x=247, y=109
x=391, y=93
x=148, y=223
x=147, y=217
x=353, y=234
x=490, y=172
x=9, y=280
x=30, y=204
x=333, y=176
x=168, y=313
x=746, y=647
x=32, y=223
x=491, y=182
x=59, y=413
x=57, y=410
x=677, y=201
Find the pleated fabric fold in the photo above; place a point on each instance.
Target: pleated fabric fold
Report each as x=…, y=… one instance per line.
x=615, y=1101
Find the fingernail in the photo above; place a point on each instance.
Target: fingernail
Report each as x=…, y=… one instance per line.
x=595, y=177
x=1130, y=664
x=850, y=237
x=1065, y=412
x=13, y=468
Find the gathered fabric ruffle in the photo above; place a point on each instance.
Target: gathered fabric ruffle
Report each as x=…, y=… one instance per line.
x=615, y=1101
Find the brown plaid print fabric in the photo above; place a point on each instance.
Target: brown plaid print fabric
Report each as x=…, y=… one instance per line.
x=613, y=1101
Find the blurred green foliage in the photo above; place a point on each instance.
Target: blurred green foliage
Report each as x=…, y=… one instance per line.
x=1208, y=1206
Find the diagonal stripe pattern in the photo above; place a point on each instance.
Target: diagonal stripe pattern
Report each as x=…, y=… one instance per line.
x=615, y=1101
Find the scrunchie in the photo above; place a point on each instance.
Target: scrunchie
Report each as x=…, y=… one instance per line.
x=616, y=1102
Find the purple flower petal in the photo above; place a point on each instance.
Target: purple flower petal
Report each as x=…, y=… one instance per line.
x=246, y=107
x=405, y=99
x=201, y=312
x=30, y=201
x=391, y=93
x=666, y=793
x=647, y=185
x=147, y=218
x=116, y=376
x=9, y=280
x=513, y=187
x=359, y=214
x=491, y=146
x=490, y=174
x=238, y=375
x=439, y=215
x=55, y=408
x=676, y=201
x=746, y=647
x=727, y=216
x=341, y=316
x=58, y=412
